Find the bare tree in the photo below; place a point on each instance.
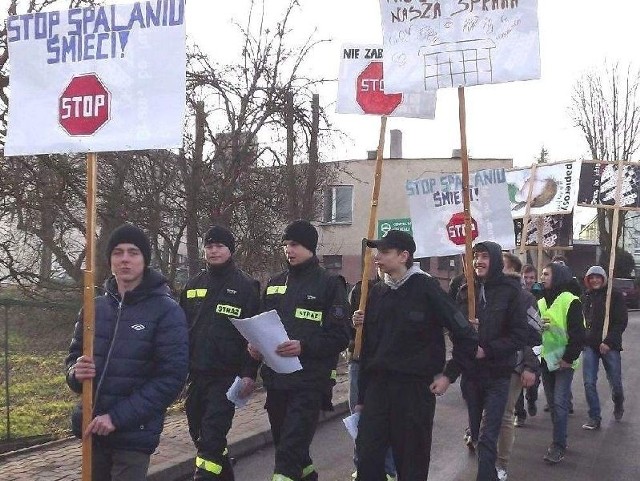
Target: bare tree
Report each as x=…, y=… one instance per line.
x=606, y=108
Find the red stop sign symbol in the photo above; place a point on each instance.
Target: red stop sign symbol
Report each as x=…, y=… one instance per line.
x=84, y=106
x=455, y=229
x=370, y=92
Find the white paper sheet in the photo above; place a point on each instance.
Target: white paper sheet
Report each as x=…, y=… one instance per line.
x=265, y=332
x=351, y=423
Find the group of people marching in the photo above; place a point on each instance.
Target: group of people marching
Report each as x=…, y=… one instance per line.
x=147, y=345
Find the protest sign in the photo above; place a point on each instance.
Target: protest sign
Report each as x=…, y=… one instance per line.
x=458, y=43
x=361, y=87
x=436, y=206
x=598, y=185
x=101, y=78
x=557, y=231
x=554, y=189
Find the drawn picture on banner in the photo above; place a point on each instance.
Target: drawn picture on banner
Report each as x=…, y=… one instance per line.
x=557, y=231
x=554, y=189
x=459, y=43
x=361, y=87
x=115, y=78
x=437, y=212
x=598, y=185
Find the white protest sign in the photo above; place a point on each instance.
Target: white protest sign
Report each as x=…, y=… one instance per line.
x=95, y=79
x=458, y=43
x=361, y=87
x=555, y=189
x=437, y=212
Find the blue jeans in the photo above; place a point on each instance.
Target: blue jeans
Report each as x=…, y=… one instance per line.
x=612, y=363
x=354, y=372
x=486, y=400
x=557, y=389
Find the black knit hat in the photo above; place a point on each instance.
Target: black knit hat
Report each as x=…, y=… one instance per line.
x=130, y=234
x=302, y=232
x=220, y=235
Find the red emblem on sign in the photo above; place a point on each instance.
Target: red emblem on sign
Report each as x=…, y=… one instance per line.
x=370, y=92
x=84, y=106
x=455, y=229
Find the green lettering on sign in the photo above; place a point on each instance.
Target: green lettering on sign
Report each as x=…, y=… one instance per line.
x=385, y=225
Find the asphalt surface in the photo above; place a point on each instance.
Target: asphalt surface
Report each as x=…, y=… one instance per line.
x=610, y=454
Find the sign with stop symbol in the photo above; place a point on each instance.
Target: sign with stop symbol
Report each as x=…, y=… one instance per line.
x=455, y=229
x=84, y=106
x=370, y=94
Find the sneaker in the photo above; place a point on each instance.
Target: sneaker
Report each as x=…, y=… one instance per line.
x=502, y=474
x=554, y=455
x=532, y=409
x=519, y=421
x=618, y=410
x=546, y=408
x=391, y=478
x=468, y=440
x=591, y=424
x=571, y=409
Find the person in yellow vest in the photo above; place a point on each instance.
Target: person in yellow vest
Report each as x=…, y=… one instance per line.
x=562, y=341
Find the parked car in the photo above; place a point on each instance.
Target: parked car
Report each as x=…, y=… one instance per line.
x=629, y=290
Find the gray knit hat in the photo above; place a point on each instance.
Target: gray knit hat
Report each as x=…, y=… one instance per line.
x=597, y=271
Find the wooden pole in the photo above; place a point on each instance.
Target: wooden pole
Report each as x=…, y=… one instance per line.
x=471, y=288
x=612, y=254
x=540, y=241
x=89, y=310
x=377, y=179
x=527, y=210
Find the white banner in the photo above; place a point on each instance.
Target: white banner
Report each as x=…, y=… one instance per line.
x=94, y=79
x=361, y=87
x=458, y=43
x=555, y=189
x=436, y=208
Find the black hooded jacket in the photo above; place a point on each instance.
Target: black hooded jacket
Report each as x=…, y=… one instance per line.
x=502, y=316
x=593, y=305
x=562, y=281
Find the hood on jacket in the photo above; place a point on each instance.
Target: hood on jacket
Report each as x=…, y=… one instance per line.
x=562, y=280
x=153, y=283
x=496, y=264
x=595, y=271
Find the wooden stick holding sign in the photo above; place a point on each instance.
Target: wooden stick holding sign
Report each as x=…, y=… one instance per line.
x=614, y=243
x=375, y=194
x=471, y=291
x=88, y=310
x=527, y=212
x=540, y=246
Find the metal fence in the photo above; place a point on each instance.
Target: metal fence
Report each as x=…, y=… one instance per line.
x=35, y=400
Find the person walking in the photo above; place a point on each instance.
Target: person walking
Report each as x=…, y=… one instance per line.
x=599, y=347
x=562, y=342
x=218, y=352
x=140, y=360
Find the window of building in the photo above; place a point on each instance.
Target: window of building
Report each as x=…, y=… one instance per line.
x=447, y=263
x=332, y=262
x=338, y=204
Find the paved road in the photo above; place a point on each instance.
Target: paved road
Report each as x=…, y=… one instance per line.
x=611, y=454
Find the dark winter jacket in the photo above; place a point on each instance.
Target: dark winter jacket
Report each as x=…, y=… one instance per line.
x=562, y=280
x=526, y=358
x=593, y=306
x=313, y=307
x=501, y=315
x=210, y=299
x=141, y=357
x=403, y=333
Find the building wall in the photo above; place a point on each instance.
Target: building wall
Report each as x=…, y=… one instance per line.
x=346, y=239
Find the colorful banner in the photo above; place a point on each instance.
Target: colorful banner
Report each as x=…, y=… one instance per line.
x=458, y=43
x=361, y=87
x=437, y=218
x=598, y=185
x=557, y=231
x=104, y=78
x=555, y=189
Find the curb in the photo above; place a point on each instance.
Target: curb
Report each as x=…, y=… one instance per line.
x=181, y=467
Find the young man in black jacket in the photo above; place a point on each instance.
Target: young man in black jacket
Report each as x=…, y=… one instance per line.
x=140, y=360
x=218, y=352
x=313, y=307
x=402, y=364
x=598, y=347
x=502, y=326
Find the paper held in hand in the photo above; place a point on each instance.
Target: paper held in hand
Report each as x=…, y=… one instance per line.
x=266, y=332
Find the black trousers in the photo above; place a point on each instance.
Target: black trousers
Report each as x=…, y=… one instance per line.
x=293, y=416
x=209, y=414
x=397, y=413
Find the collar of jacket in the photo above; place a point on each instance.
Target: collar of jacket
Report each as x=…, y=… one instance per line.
x=153, y=283
x=303, y=268
x=222, y=269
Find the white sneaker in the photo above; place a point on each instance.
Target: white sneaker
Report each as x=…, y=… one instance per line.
x=502, y=474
